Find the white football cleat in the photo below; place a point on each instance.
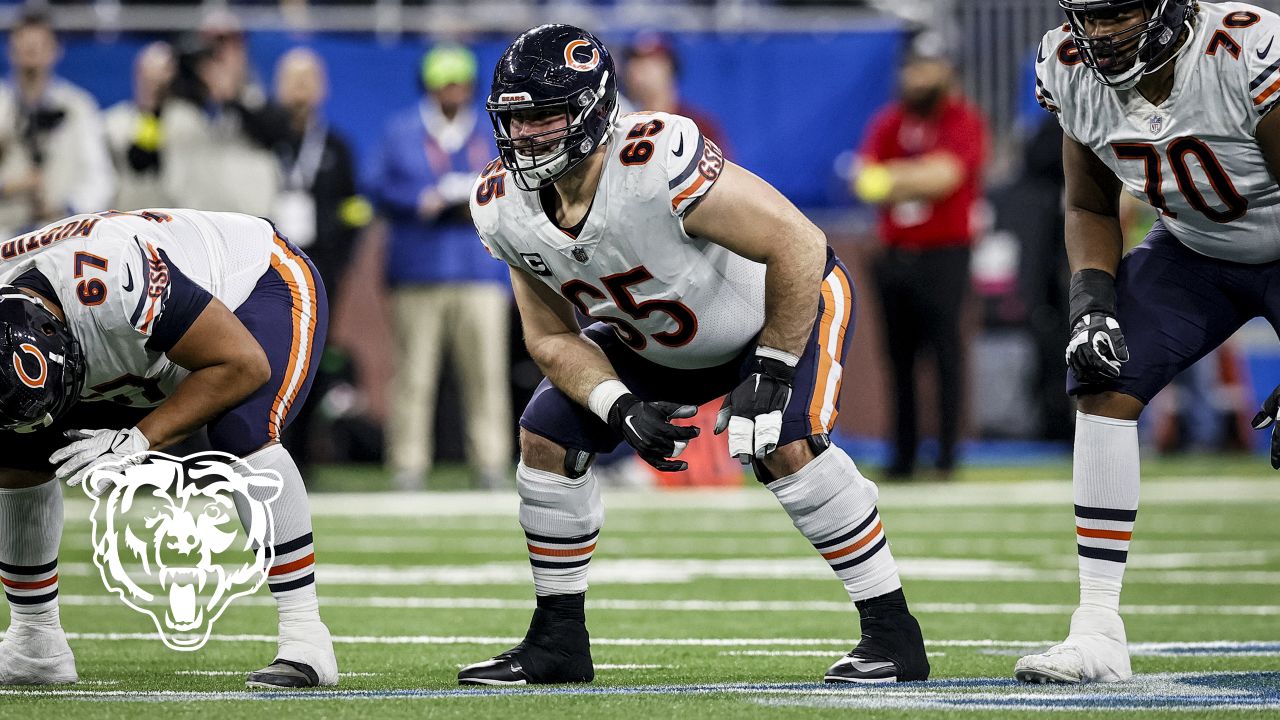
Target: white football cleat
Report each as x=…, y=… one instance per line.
x=36, y=655
x=304, y=659
x=1094, y=651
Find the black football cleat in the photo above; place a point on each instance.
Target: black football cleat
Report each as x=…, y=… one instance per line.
x=284, y=674
x=891, y=648
x=556, y=649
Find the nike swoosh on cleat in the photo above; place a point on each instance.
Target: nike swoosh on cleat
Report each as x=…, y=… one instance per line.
x=127, y=286
x=679, y=148
x=1262, y=54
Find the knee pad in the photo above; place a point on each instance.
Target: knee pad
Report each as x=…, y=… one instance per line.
x=827, y=494
x=558, y=506
x=818, y=444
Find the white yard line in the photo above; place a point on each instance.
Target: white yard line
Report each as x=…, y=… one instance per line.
x=708, y=606
x=906, y=498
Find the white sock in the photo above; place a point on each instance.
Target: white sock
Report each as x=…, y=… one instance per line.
x=1105, y=479
x=30, y=530
x=291, y=575
x=561, y=520
x=834, y=506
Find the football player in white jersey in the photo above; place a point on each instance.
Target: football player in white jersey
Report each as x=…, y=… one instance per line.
x=122, y=332
x=705, y=281
x=1170, y=100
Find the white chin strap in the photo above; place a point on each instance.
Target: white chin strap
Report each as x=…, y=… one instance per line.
x=537, y=175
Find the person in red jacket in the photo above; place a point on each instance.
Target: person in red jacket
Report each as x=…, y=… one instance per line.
x=921, y=165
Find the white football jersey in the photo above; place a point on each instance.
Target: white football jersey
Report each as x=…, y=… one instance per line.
x=678, y=301
x=1194, y=157
x=111, y=274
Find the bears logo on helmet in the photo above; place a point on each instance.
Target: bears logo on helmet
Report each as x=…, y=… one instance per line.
x=552, y=71
x=35, y=394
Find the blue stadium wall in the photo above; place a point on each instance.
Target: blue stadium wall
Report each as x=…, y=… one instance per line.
x=789, y=102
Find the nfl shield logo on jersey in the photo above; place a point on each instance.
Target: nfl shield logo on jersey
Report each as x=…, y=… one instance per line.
x=580, y=254
x=1156, y=123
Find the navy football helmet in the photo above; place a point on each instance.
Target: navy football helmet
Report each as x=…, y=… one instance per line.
x=553, y=69
x=42, y=367
x=1122, y=58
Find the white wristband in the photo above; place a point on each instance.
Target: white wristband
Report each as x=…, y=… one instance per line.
x=781, y=356
x=604, y=396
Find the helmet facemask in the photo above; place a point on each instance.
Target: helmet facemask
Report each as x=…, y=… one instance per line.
x=1121, y=59
x=538, y=160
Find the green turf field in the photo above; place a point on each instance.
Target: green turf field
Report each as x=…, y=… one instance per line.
x=709, y=604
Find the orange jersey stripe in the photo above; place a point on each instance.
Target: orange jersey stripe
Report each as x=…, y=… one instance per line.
x=291, y=566
x=34, y=585
x=312, y=290
x=1104, y=534
x=562, y=553
x=689, y=191
x=824, y=360
x=1267, y=93
x=875, y=532
x=844, y=327
x=285, y=396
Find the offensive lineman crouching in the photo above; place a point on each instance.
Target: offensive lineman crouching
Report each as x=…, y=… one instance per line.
x=127, y=332
x=706, y=281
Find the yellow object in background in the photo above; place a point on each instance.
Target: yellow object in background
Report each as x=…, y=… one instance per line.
x=874, y=184
x=355, y=212
x=148, y=136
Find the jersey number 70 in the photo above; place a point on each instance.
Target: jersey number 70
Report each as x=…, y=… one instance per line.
x=1236, y=204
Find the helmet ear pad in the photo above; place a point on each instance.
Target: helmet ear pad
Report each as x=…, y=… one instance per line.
x=557, y=69
x=42, y=367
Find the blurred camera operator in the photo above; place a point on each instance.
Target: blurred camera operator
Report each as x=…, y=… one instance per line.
x=53, y=153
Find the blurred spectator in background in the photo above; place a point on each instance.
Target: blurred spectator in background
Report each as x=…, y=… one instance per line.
x=55, y=160
x=219, y=128
x=319, y=210
x=650, y=76
x=446, y=291
x=921, y=163
x=133, y=130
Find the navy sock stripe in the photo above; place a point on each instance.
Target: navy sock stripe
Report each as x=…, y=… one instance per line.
x=29, y=569
x=863, y=557
x=31, y=599
x=552, y=565
x=561, y=541
x=1092, y=513
x=851, y=534
x=292, y=584
x=1119, y=556
x=295, y=544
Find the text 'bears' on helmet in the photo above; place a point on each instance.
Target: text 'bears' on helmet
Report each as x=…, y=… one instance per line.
x=552, y=71
x=42, y=367
x=1121, y=58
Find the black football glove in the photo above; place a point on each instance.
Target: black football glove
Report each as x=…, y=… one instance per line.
x=647, y=427
x=1097, y=347
x=1265, y=418
x=753, y=411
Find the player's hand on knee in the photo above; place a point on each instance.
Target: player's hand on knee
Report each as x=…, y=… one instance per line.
x=647, y=427
x=752, y=413
x=91, y=448
x=1266, y=418
x=1097, y=348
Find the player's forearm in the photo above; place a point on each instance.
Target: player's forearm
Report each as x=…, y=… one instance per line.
x=928, y=178
x=204, y=395
x=572, y=363
x=1094, y=240
x=792, y=286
